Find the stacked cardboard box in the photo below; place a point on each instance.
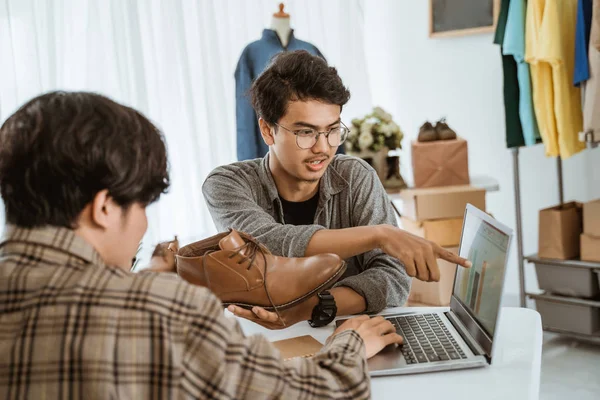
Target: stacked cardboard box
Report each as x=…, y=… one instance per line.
x=436, y=214
x=561, y=238
x=569, y=232
x=559, y=230
x=590, y=238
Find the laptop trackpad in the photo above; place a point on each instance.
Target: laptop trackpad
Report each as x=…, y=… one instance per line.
x=389, y=358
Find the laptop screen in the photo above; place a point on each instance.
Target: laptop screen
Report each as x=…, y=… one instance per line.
x=479, y=288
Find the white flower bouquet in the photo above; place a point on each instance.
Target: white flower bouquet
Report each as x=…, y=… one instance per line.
x=374, y=132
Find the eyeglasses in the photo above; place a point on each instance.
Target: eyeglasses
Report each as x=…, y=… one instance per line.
x=307, y=138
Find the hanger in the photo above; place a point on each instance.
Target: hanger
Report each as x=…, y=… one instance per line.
x=281, y=13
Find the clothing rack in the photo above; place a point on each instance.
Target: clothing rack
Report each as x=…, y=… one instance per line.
x=524, y=294
x=590, y=137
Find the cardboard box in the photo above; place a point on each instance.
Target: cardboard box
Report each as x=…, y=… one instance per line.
x=591, y=217
x=435, y=293
x=559, y=231
x=440, y=163
x=590, y=247
x=440, y=202
x=445, y=232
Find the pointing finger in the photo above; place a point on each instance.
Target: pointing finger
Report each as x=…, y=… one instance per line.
x=452, y=258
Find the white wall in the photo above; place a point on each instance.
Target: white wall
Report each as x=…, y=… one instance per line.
x=175, y=62
x=417, y=79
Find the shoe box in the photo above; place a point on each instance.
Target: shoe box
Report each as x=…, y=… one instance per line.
x=440, y=163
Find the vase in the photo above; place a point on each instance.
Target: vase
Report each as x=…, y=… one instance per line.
x=393, y=178
x=386, y=167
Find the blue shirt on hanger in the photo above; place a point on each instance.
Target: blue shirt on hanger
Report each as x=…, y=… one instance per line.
x=514, y=44
x=252, y=62
x=581, y=72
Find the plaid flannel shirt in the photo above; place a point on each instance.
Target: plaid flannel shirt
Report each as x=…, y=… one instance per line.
x=73, y=327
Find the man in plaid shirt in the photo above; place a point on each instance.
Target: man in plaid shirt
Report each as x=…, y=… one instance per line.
x=77, y=171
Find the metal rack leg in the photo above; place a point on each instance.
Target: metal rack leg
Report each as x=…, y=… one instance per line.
x=517, y=182
x=559, y=171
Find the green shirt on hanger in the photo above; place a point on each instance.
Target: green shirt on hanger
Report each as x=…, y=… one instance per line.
x=514, y=129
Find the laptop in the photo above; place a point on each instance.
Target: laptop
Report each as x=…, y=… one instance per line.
x=463, y=336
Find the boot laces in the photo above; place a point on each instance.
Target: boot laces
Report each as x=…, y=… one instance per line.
x=255, y=248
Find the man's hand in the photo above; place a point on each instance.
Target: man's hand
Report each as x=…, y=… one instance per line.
x=418, y=255
x=376, y=332
x=271, y=320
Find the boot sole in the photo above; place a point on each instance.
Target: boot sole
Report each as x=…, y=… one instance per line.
x=324, y=286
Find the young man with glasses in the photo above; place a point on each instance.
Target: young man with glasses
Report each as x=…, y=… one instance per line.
x=302, y=199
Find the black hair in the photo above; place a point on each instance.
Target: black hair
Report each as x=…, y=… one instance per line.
x=61, y=148
x=292, y=76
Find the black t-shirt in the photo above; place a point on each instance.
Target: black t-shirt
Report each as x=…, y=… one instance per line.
x=301, y=212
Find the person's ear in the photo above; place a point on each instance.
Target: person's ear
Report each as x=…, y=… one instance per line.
x=103, y=208
x=266, y=132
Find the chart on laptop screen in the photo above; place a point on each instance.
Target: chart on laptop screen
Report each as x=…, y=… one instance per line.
x=480, y=287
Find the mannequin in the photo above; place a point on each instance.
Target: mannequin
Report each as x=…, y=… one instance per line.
x=281, y=25
x=277, y=38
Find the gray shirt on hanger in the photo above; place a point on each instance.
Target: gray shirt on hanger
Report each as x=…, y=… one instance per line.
x=243, y=196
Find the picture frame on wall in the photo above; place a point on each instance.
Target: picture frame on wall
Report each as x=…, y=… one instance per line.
x=451, y=18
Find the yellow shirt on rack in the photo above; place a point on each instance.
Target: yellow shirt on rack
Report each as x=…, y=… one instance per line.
x=550, y=50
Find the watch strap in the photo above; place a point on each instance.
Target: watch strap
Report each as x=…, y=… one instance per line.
x=324, y=312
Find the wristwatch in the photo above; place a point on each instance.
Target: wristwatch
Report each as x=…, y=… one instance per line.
x=325, y=311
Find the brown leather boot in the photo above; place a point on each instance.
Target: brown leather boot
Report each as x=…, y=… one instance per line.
x=427, y=133
x=444, y=131
x=242, y=272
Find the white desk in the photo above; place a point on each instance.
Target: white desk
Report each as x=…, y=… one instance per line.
x=514, y=373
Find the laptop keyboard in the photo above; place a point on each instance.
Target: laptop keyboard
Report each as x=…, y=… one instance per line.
x=426, y=339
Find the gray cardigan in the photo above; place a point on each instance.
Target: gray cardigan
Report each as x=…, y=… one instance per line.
x=243, y=196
